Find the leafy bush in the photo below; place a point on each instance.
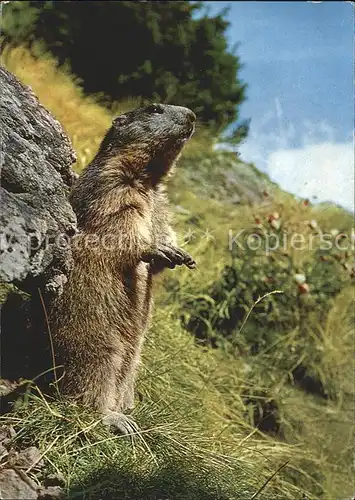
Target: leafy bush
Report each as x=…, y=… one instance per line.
x=255, y=272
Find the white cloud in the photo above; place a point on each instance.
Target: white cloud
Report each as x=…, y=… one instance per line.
x=324, y=170
x=306, y=160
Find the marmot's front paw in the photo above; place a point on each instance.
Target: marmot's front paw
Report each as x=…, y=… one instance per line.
x=165, y=255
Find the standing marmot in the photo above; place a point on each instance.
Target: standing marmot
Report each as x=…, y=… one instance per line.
x=98, y=323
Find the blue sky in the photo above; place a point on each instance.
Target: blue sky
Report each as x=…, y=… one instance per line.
x=298, y=64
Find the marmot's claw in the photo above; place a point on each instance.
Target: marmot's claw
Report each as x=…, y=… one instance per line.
x=187, y=259
x=120, y=422
x=169, y=256
x=191, y=264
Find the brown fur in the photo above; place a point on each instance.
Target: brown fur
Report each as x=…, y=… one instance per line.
x=98, y=323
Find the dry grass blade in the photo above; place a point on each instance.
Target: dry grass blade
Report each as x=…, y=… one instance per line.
x=274, y=292
x=50, y=338
x=268, y=480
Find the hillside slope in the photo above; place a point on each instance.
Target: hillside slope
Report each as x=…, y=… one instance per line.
x=227, y=422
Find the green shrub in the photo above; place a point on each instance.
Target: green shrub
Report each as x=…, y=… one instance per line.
x=217, y=314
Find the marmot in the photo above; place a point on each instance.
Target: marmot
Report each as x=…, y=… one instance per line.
x=99, y=321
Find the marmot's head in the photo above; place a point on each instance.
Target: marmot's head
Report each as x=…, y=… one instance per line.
x=149, y=139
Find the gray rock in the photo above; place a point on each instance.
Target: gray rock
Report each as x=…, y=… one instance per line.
x=55, y=480
x=7, y=434
x=36, y=224
x=3, y=451
x=14, y=485
x=51, y=493
x=28, y=457
x=35, y=179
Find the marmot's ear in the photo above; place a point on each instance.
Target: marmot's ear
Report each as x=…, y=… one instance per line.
x=120, y=120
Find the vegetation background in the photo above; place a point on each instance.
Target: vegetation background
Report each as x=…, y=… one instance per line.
x=244, y=392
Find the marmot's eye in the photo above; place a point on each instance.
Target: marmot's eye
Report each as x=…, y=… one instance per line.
x=120, y=120
x=155, y=108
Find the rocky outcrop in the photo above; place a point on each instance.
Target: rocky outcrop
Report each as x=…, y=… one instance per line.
x=36, y=222
x=222, y=176
x=36, y=218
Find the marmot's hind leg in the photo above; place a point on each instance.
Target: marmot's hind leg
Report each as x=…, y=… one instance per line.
x=125, y=400
x=128, y=395
x=97, y=388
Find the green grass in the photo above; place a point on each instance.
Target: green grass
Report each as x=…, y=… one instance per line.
x=194, y=442
x=197, y=406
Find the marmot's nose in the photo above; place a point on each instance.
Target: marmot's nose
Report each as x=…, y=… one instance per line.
x=191, y=116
